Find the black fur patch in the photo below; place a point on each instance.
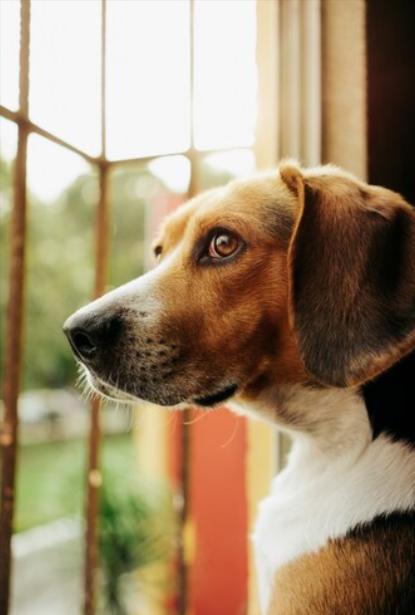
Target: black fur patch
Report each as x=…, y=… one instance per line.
x=390, y=401
x=395, y=560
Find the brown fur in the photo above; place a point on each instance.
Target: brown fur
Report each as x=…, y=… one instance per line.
x=232, y=297
x=370, y=572
x=352, y=277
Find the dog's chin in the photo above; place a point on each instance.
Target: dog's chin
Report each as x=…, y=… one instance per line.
x=206, y=400
x=108, y=392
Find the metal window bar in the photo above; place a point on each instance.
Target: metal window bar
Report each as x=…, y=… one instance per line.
x=14, y=348
x=101, y=260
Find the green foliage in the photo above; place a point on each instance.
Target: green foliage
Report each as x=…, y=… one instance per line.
x=43, y=492
x=51, y=477
x=59, y=277
x=135, y=529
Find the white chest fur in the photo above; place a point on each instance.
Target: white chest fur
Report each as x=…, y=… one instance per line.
x=336, y=478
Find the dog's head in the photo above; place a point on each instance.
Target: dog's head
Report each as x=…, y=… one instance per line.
x=287, y=278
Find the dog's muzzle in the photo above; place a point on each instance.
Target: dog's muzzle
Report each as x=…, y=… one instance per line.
x=127, y=355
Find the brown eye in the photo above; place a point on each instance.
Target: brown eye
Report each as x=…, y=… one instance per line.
x=223, y=245
x=157, y=251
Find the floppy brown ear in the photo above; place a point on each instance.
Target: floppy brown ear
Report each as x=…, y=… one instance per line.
x=352, y=276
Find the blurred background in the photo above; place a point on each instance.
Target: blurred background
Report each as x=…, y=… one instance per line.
x=163, y=99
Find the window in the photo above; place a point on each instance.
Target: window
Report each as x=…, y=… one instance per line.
x=124, y=106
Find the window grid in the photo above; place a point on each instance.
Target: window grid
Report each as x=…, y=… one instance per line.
x=14, y=347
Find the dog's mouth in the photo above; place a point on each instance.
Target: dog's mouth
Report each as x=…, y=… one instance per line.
x=218, y=397
x=160, y=397
x=106, y=390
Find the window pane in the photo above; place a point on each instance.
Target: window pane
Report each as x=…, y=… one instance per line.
x=65, y=70
x=8, y=149
x=148, y=78
x=141, y=196
x=9, y=54
x=225, y=73
x=60, y=268
x=220, y=168
x=52, y=169
x=53, y=417
x=173, y=171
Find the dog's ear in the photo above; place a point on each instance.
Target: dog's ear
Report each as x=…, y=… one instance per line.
x=352, y=275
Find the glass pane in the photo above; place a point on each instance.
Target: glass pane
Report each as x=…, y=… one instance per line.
x=52, y=169
x=225, y=73
x=65, y=71
x=141, y=196
x=54, y=417
x=8, y=149
x=220, y=168
x=60, y=264
x=148, y=78
x=59, y=258
x=173, y=171
x=9, y=54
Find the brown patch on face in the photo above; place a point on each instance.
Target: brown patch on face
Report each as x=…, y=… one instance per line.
x=370, y=572
x=173, y=228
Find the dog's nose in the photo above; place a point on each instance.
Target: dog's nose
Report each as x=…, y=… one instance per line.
x=89, y=334
x=82, y=342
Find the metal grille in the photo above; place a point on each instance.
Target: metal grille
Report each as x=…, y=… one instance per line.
x=14, y=347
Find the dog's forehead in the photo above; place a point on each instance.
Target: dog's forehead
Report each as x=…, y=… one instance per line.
x=263, y=201
x=175, y=225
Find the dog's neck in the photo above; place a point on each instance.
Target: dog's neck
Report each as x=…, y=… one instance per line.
x=336, y=422
x=338, y=477
x=324, y=423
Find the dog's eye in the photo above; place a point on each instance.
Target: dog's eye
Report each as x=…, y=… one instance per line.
x=223, y=245
x=158, y=251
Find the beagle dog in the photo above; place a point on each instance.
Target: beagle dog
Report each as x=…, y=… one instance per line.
x=291, y=296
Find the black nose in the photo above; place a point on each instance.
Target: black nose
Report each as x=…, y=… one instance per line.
x=91, y=334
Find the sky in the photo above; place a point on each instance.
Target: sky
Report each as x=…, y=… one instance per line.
x=147, y=82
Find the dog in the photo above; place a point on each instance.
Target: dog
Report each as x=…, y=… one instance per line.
x=291, y=297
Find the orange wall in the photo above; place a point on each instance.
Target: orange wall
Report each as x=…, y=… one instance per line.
x=218, y=513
